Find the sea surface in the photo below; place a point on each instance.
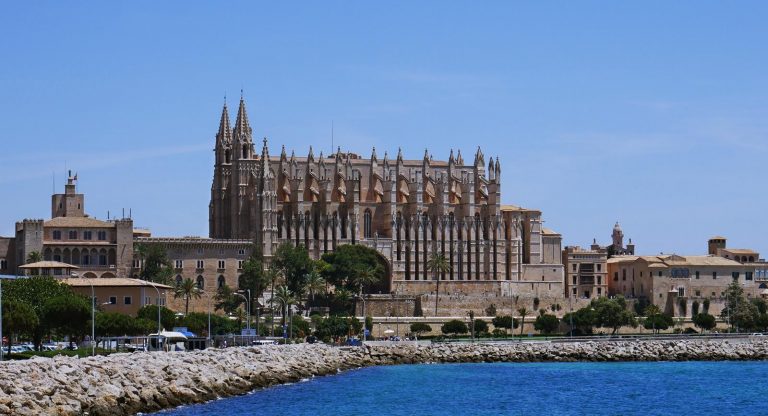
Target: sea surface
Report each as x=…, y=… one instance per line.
x=665, y=388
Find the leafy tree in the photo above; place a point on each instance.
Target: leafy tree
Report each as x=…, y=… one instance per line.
x=253, y=277
x=438, y=265
x=149, y=312
x=613, y=313
x=114, y=324
x=294, y=264
x=481, y=327
x=506, y=322
x=455, y=327
x=341, y=266
x=655, y=320
x=546, y=323
x=156, y=266
x=68, y=314
x=523, y=313
x=226, y=300
x=583, y=320
x=34, y=291
x=187, y=289
x=337, y=326
x=34, y=257
x=419, y=328
x=341, y=299
x=738, y=310
x=695, y=308
x=299, y=327
x=704, y=321
x=196, y=322
x=761, y=322
x=760, y=304
x=18, y=318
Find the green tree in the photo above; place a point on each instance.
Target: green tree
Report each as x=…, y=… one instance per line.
x=156, y=266
x=341, y=266
x=523, y=313
x=455, y=327
x=704, y=321
x=655, y=320
x=583, y=320
x=18, y=318
x=226, y=300
x=68, y=315
x=196, y=322
x=438, y=265
x=481, y=327
x=34, y=291
x=418, y=328
x=254, y=277
x=738, y=310
x=34, y=257
x=294, y=264
x=337, y=326
x=187, y=289
x=314, y=284
x=284, y=297
x=613, y=313
x=546, y=323
x=149, y=312
x=115, y=324
x=506, y=322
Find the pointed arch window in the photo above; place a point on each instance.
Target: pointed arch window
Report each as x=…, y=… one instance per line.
x=178, y=280
x=200, y=282
x=221, y=282
x=367, y=224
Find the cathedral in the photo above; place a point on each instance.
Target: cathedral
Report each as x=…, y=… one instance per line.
x=406, y=209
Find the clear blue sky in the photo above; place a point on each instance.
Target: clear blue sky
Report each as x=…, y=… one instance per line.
x=651, y=113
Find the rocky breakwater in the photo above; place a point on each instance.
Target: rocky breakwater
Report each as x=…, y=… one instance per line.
x=122, y=384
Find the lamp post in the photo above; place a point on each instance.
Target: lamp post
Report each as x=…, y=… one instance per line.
x=157, y=304
x=248, y=307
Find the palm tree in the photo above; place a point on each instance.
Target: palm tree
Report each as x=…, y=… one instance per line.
x=364, y=277
x=523, y=313
x=285, y=298
x=438, y=265
x=272, y=275
x=187, y=289
x=34, y=257
x=315, y=283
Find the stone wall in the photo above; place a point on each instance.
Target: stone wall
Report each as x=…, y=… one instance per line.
x=123, y=384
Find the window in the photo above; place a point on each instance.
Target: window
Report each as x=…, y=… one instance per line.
x=240, y=264
x=179, y=279
x=241, y=252
x=623, y=274
x=367, y=224
x=57, y=257
x=221, y=282
x=615, y=276
x=599, y=281
x=102, y=235
x=697, y=275
x=735, y=275
x=102, y=259
x=641, y=273
x=574, y=280
x=599, y=291
x=179, y=264
x=714, y=277
x=574, y=291
x=574, y=267
x=221, y=264
x=3, y=264
x=681, y=292
x=57, y=235
x=86, y=259
x=147, y=300
x=87, y=235
x=73, y=234
x=200, y=282
x=200, y=264
x=113, y=300
x=698, y=293
x=748, y=275
x=599, y=267
x=136, y=263
x=127, y=300
x=659, y=273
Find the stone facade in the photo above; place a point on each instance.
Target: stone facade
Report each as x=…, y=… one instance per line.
x=586, y=272
x=98, y=248
x=406, y=209
x=211, y=263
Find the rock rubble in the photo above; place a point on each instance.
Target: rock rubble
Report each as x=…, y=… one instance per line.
x=125, y=384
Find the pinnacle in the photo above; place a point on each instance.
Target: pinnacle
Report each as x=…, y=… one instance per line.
x=241, y=124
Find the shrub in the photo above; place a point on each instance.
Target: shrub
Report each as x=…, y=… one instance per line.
x=546, y=323
x=481, y=327
x=419, y=328
x=454, y=327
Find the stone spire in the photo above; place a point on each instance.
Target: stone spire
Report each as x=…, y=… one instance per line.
x=311, y=155
x=459, y=159
x=242, y=127
x=224, y=135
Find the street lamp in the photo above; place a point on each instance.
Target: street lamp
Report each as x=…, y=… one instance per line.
x=247, y=306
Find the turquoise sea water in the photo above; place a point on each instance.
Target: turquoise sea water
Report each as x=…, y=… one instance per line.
x=687, y=388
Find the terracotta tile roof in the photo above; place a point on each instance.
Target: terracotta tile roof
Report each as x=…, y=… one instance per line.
x=78, y=222
x=112, y=282
x=48, y=265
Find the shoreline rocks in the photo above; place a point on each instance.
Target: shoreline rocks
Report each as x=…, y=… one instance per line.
x=128, y=383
